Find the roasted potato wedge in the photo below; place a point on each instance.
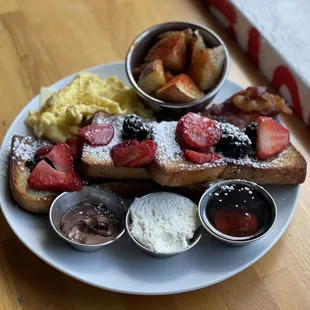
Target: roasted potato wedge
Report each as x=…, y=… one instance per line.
x=168, y=76
x=137, y=71
x=171, y=50
x=152, y=77
x=180, y=89
x=188, y=34
x=207, y=66
x=196, y=44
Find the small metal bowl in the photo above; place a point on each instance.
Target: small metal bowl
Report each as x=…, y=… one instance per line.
x=236, y=241
x=194, y=240
x=141, y=45
x=67, y=200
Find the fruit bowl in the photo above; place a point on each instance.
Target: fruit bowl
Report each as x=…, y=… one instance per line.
x=141, y=46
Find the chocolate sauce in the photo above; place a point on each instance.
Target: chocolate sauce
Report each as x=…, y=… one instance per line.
x=89, y=223
x=238, y=210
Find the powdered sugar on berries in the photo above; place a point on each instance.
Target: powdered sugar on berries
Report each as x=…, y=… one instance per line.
x=102, y=153
x=168, y=149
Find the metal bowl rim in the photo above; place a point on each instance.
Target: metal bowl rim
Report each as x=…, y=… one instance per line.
x=82, y=244
x=199, y=231
x=231, y=239
x=171, y=105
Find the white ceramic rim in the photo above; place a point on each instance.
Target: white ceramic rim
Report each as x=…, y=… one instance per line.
x=176, y=291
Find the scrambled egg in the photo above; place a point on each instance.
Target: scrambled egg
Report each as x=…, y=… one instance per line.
x=63, y=113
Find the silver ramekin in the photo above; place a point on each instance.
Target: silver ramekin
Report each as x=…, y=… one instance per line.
x=67, y=200
x=236, y=241
x=193, y=242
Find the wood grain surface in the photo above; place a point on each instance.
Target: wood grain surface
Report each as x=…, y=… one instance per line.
x=42, y=41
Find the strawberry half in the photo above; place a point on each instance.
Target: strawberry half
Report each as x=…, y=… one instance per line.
x=97, y=134
x=133, y=153
x=61, y=157
x=44, y=177
x=43, y=150
x=198, y=132
x=76, y=144
x=272, y=137
x=201, y=158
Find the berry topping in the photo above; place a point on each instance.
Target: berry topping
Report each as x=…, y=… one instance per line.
x=272, y=137
x=31, y=163
x=97, y=134
x=251, y=132
x=76, y=144
x=201, y=158
x=61, y=157
x=55, y=172
x=234, y=143
x=43, y=150
x=134, y=128
x=199, y=132
x=44, y=177
x=133, y=153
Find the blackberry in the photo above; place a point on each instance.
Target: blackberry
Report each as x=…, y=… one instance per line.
x=31, y=163
x=134, y=128
x=234, y=143
x=251, y=132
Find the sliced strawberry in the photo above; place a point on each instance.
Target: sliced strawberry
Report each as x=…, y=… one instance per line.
x=44, y=177
x=144, y=159
x=202, y=158
x=61, y=157
x=199, y=132
x=97, y=134
x=76, y=144
x=133, y=153
x=272, y=137
x=76, y=183
x=43, y=150
x=180, y=139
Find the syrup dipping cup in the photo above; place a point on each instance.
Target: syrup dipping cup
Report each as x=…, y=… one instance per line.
x=205, y=203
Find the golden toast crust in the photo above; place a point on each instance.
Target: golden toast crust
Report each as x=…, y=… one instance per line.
x=27, y=198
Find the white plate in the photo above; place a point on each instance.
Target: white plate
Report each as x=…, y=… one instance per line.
x=122, y=266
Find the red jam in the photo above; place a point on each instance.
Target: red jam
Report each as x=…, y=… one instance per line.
x=238, y=210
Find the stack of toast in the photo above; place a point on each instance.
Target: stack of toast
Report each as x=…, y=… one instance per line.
x=170, y=168
x=169, y=171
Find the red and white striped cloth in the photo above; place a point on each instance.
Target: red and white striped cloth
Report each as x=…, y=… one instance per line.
x=264, y=56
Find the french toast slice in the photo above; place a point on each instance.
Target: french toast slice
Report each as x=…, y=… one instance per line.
x=288, y=167
x=170, y=168
x=22, y=149
x=96, y=162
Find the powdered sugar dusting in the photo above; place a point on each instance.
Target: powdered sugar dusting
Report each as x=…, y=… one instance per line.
x=168, y=149
x=236, y=132
x=24, y=148
x=248, y=161
x=167, y=146
x=102, y=153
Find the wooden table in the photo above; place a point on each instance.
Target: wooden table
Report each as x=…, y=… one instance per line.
x=42, y=41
